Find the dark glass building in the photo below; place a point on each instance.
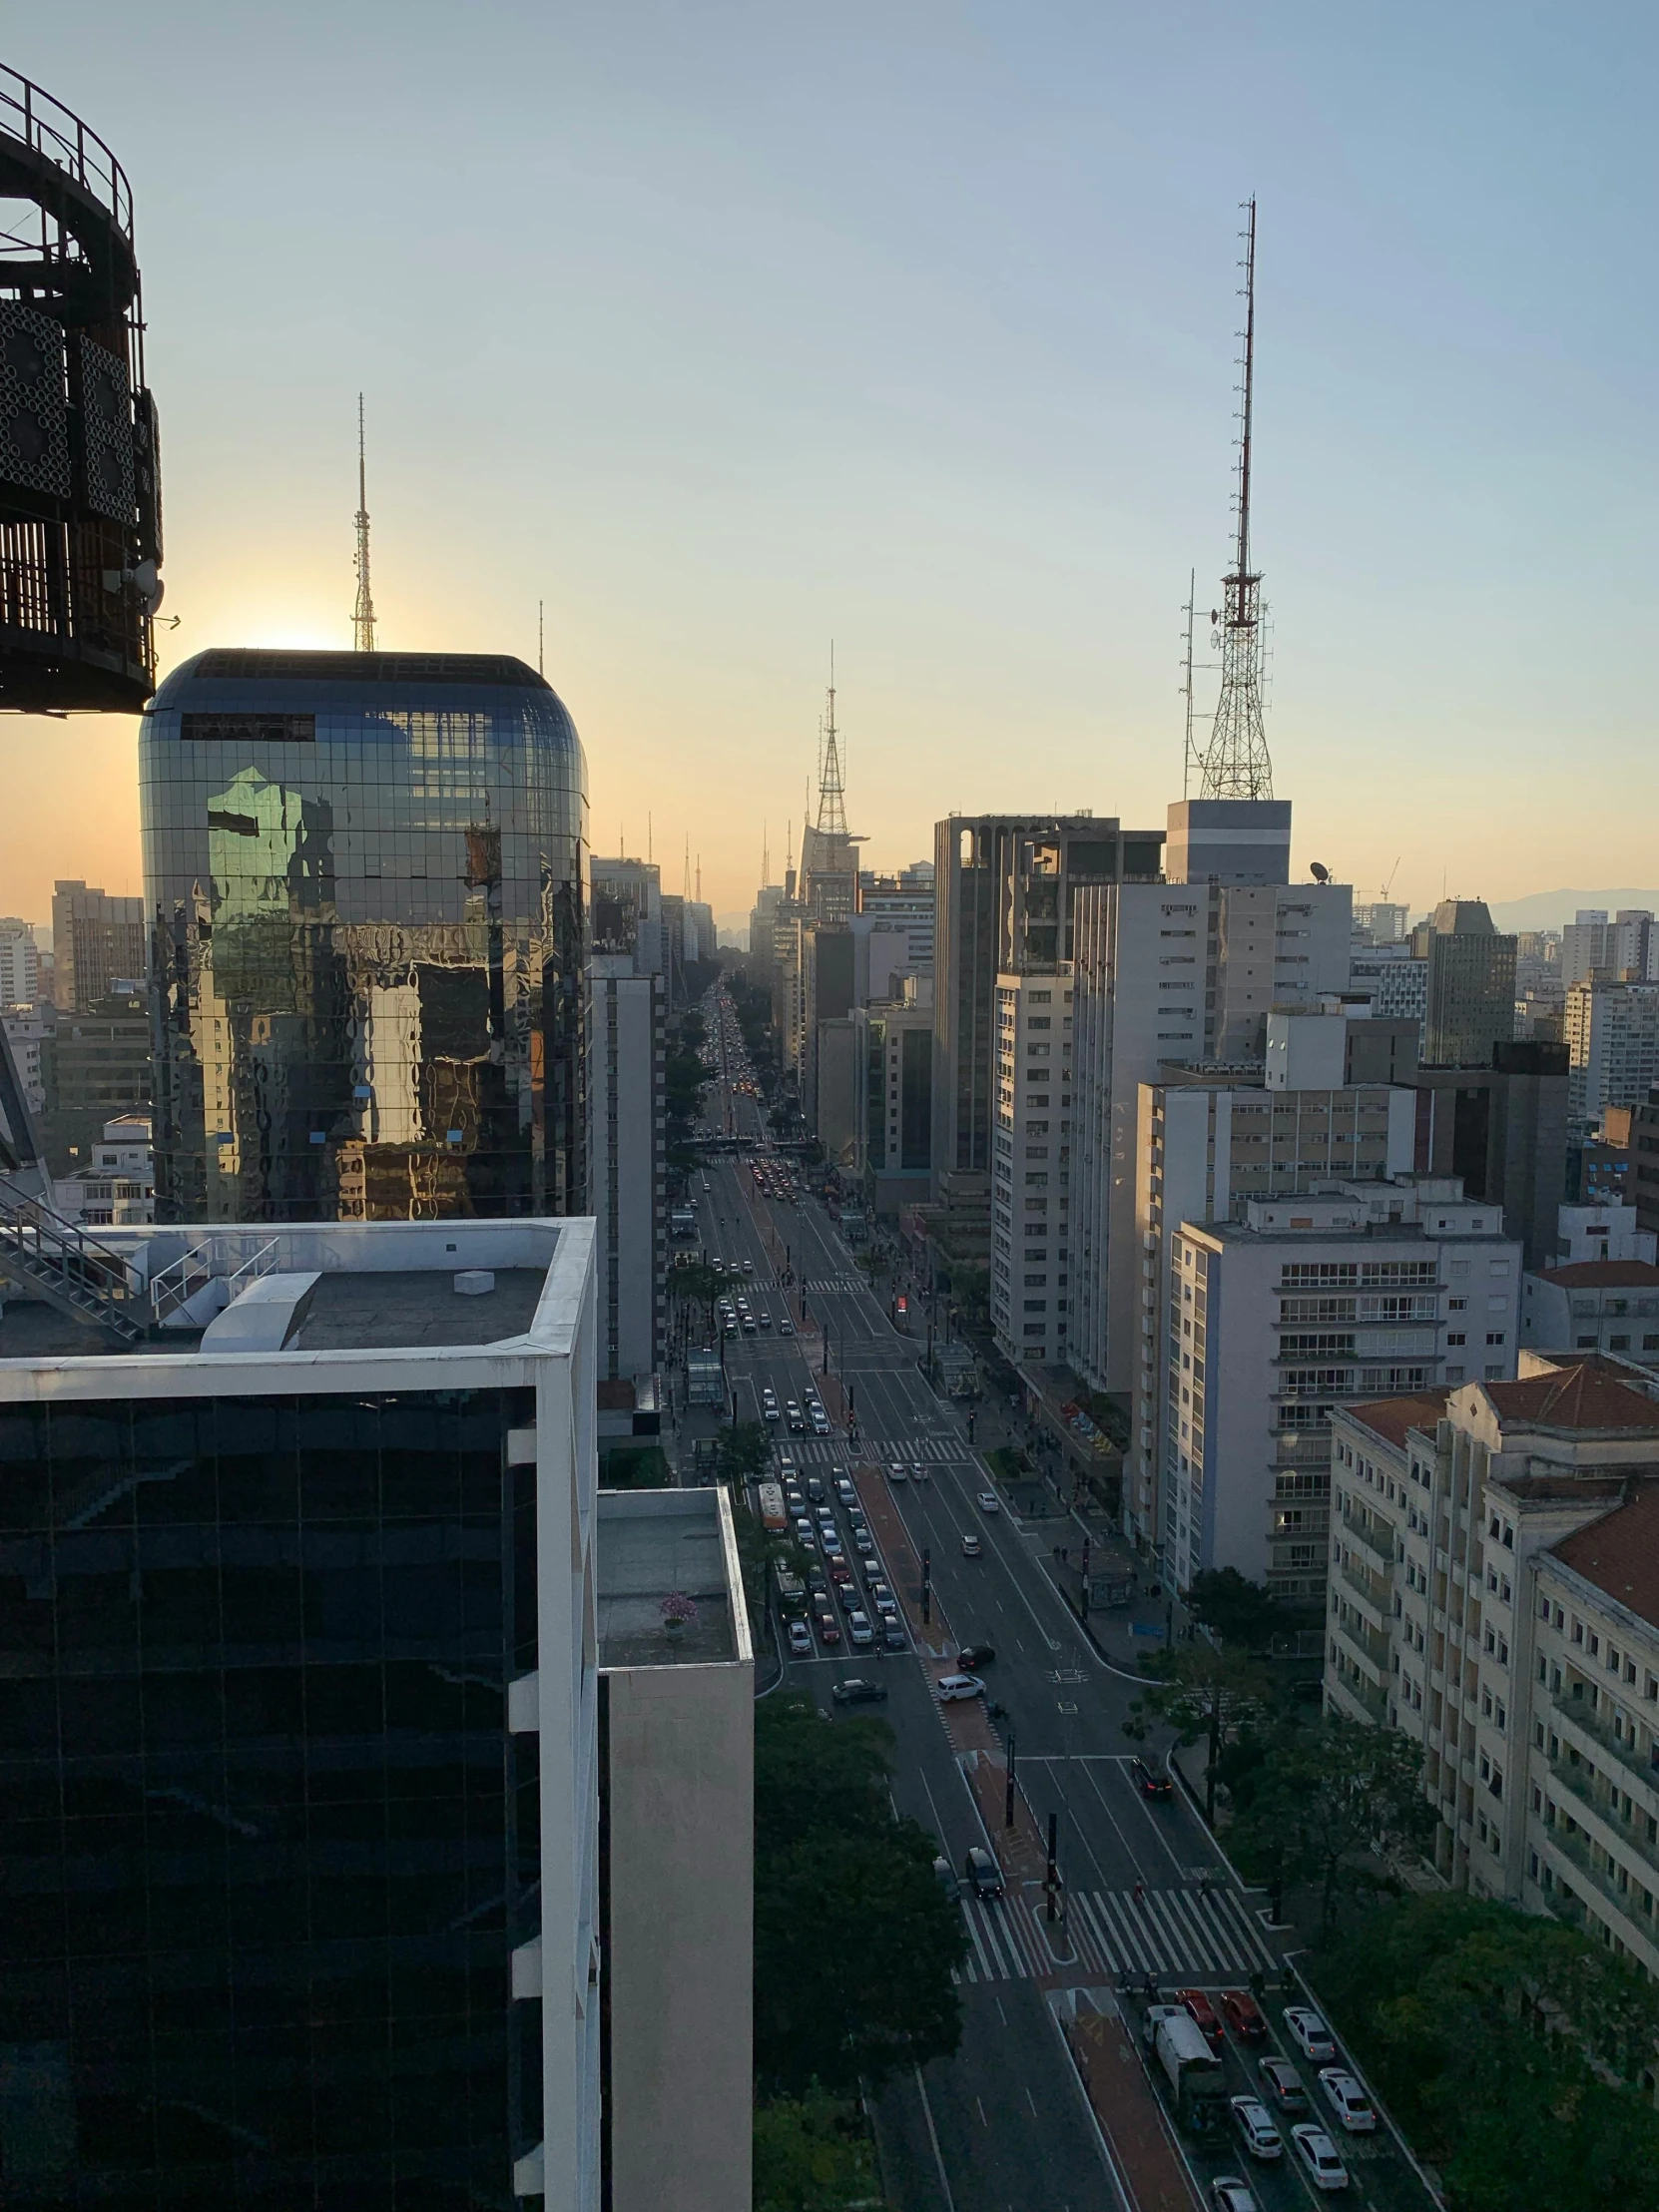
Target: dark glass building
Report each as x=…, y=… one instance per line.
x=366, y=875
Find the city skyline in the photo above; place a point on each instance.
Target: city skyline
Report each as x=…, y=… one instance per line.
x=917, y=335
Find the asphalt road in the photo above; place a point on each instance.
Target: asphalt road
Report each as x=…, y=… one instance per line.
x=1003, y=2125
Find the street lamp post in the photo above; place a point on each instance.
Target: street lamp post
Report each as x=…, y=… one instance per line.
x=1008, y=1803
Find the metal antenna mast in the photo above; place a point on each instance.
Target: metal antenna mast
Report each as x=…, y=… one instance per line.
x=541, y=636
x=832, y=808
x=1236, y=765
x=363, y=619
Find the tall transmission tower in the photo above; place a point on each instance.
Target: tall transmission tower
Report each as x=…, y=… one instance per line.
x=363, y=619
x=831, y=806
x=1236, y=765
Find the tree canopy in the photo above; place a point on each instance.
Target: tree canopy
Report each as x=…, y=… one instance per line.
x=1237, y=1610
x=1327, y=1804
x=1207, y=1693
x=854, y=1941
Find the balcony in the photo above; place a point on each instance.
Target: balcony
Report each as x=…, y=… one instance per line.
x=1626, y=1902
x=1574, y=1714
x=1374, y=1703
x=1365, y=1586
x=1378, y=1541
x=1369, y=1641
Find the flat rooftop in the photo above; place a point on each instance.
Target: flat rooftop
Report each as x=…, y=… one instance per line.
x=653, y=1543
x=378, y=1313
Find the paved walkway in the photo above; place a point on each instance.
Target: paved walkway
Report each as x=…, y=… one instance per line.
x=1124, y=2103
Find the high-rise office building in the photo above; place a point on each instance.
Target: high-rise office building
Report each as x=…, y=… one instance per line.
x=97, y=942
x=627, y=1117
x=1030, y=1167
x=1005, y=888
x=1626, y=945
x=367, y=876
x=19, y=963
x=1613, y=1031
x=1502, y=1130
x=1471, y=984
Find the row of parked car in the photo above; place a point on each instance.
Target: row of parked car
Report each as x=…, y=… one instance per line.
x=1284, y=2095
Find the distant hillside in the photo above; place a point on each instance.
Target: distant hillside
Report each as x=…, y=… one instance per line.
x=1554, y=909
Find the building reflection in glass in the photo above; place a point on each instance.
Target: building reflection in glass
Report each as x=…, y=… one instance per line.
x=366, y=876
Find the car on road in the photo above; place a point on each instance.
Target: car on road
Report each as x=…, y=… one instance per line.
x=954, y=1686
x=844, y=1490
x=1255, y=2123
x=816, y=1490
x=842, y=1574
x=791, y=1413
x=863, y=1543
x=899, y=1473
x=765, y=1318
x=892, y=1636
x=858, y=1628
x=786, y=1327
x=883, y=1601
x=1243, y=2015
x=820, y=1422
x=983, y=1874
x=989, y=1502
x=857, y=1691
x=1348, y=2100
x=975, y=1655
x=829, y=1628
x=749, y=1267
x=800, y=1640
x=1229, y=2194
x=944, y=1874
x=1150, y=1781
x=971, y=1547
x=804, y=1533
x=919, y=1473
x=1203, y=2015
x=1308, y=2032
x=1284, y=2084
x=1319, y=2154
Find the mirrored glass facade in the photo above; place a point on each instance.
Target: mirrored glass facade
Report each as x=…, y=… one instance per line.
x=366, y=877
x=265, y=1843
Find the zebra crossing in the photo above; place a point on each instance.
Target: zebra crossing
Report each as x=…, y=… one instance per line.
x=1189, y=1935
x=818, y=1451
x=834, y=1285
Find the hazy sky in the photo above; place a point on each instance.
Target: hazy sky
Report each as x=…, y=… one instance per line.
x=729, y=328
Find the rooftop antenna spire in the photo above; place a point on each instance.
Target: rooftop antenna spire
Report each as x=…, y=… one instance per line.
x=765, y=856
x=541, y=636
x=832, y=808
x=363, y=619
x=1236, y=765
x=685, y=881
x=700, y=878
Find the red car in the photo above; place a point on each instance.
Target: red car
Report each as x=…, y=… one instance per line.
x=1203, y=2014
x=828, y=1630
x=1243, y=2015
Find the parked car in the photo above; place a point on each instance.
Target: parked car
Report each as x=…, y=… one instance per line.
x=1349, y=2101
x=1284, y=2084
x=954, y=1686
x=1243, y=2015
x=989, y=1502
x=984, y=1875
x=971, y=1547
x=975, y=1655
x=1308, y=2032
x=857, y=1691
x=1203, y=2014
x=1318, y=2155
x=800, y=1640
x=1150, y=1781
x=1253, y=2122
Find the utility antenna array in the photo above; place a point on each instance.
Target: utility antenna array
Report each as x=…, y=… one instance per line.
x=832, y=797
x=1236, y=765
x=363, y=619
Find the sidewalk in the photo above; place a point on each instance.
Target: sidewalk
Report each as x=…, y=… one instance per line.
x=1123, y=2101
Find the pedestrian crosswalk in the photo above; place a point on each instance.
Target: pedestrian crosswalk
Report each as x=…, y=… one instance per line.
x=811, y=1451
x=1196, y=1935
x=836, y=1286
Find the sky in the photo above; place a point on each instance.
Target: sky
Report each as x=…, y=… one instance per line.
x=731, y=328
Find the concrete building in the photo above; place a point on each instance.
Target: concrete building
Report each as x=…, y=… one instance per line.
x=1493, y=1595
x=1031, y=1169
x=1471, y=984
x=1169, y=974
x=626, y=913
x=1594, y=1305
x=1228, y=840
x=895, y=1113
x=1504, y=1130
x=627, y=1162
x=1379, y=921
x=1210, y=1139
x=1641, y=1154
x=1006, y=888
x=1608, y=1232
x=117, y=1183
x=762, y=921
x=1625, y=946
x=1396, y=980
x=19, y=963
x=904, y=902
x=1374, y=1289
x=1613, y=1031
x=31, y=1034
x=98, y=942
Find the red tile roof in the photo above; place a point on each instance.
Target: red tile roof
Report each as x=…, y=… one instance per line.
x=1620, y=1552
x=1578, y=1396
x=1604, y=1275
x=1391, y=1417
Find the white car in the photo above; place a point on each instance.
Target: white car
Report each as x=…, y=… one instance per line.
x=1308, y=2032
x=785, y=1328
x=954, y=1686
x=988, y=1502
x=800, y=1640
x=1229, y=2194
x=858, y=1629
x=1255, y=2123
x=1319, y=2154
x=1349, y=2101
x=820, y=1422
x=898, y=1472
x=919, y=1473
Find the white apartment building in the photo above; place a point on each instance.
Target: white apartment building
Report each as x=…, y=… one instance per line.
x=1371, y=1289
x=627, y=1162
x=1612, y=1038
x=1031, y=1166
x=1627, y=944
x=1607, y=1232
x=1179, y=973
x=1396, y=979
x=1496, y=1595
x=1607, y=1306
x=118, y=1185
x=1208, y=1142
x=28, y=1032
x=19, y=962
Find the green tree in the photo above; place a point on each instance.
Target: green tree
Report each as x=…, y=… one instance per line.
x=745, y=1451
x=1326, y=1803
x=854, y=1941
x=811, y=2154
x=1207, y=1693
x=1237, y=1610
x=697, y=1284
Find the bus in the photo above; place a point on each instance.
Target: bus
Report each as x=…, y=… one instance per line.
x=791, y=1592
x=773, y=1516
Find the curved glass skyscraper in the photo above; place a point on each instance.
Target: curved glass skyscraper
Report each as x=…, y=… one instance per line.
x=366, y=875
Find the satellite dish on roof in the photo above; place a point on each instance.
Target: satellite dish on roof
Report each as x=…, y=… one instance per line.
x=1318, y=872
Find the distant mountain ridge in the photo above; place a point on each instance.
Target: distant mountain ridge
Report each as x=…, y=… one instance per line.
x=1554, y=909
